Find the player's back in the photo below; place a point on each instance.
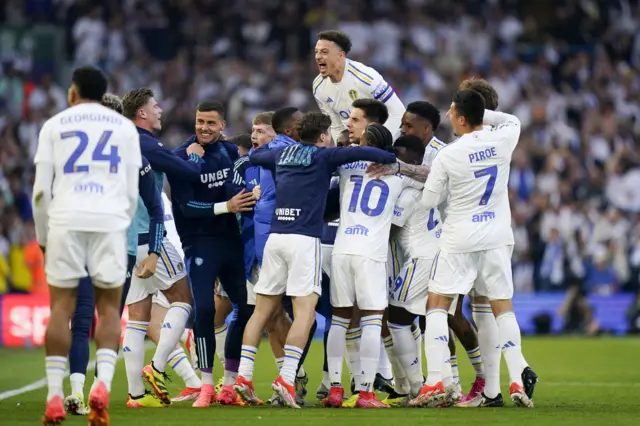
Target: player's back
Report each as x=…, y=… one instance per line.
x=421, y=227
x=366, y=211
x=478, y=212
x=88, y=145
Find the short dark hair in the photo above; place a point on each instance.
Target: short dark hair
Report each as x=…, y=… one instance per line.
x=312, y=125
x=243, y=141
x=374, y=110
x=470, y=105
x=425, y=110
x=282, y=118
x=485, y=89
x=90, y=82
x=113, y=102
x=378, y=136
x=338, y=37
x=412, y=144
x=135, y=99
x=208, y=106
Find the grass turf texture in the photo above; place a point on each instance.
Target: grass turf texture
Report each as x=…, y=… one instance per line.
x=582, y=382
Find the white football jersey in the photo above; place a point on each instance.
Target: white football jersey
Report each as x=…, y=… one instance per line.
x=366, y=211
x=432, y=149
x=358, y=81
x=170, y=225
x=419, y=236
x=90, y=147
x=474, y=172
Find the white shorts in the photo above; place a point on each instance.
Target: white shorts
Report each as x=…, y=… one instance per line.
x=160, y=300
x=326, y=259
x=70, y=254
x=409, y=290
x=251, y=294
x=358, y=280
x=291, y=264
x=170, y=269
x=487, y=271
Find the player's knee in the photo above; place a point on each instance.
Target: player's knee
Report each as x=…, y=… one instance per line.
x=400, y=316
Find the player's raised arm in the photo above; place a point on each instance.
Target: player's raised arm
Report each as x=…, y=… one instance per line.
x=435, y=189
x=265, y=157
x=152, y=200
x=42, y=192
x=506, y=125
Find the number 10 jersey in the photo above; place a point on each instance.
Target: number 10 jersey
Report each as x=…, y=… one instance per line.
x=91, y=149
x=366, y=211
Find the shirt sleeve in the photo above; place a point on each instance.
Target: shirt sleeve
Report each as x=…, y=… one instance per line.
x=42, y=195
x=506, y=126
x=405, y=205
x=44, y=152
x=265, y=157
x=152, y=200
x=134, y=157
x=435, y=189
x=382, y=91
x=343, y=155
x=162, y=159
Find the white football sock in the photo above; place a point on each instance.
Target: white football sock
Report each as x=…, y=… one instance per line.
x=301, y=372
x=454, y=369
x=180, y=364
x=133, y=352
x=247, y=361
x=292, y=355
x=336, y=348
x=418, y=338
x=525, y=364
x=279, y=362
x=385, y=367
x=475, y=357
x=326, y=380
x=436, y=346
x=106, y=365
x=353, y=340
x=401, y=384
x=229, y=377
x=55, y=367
x=369, y=350
x=510, y=341
x=172, y=328
x=405, y=350
x=77, y=383
x=221, y=338
x=489, y=341
x=207, y=378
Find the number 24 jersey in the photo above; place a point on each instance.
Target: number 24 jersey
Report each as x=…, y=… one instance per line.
x=366, y=211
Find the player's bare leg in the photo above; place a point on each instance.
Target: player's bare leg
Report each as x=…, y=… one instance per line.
x=468, y=336
x=107, y=337
x=57, y=344
x=180, y=299
x=437, y=350
x=265, y=306
x=177, y=359
x=304, y=315
x=510, y=342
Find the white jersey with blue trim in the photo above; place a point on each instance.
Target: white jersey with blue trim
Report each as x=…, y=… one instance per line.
x=170, y=225
x=473, y=172
x=358, y=82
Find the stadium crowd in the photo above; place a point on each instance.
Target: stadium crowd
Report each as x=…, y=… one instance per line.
x=572, y=77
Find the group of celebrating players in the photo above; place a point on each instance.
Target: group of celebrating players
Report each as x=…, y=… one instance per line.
x=382, y=235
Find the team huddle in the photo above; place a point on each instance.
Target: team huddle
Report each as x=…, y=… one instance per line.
x=383, y=235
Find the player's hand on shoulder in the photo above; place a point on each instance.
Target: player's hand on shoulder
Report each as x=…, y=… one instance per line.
x=379, y=170
x=195, y=148
x=243, y=201
x=147, y=267
x=257, y=192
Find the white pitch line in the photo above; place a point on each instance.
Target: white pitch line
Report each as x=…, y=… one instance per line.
x=39, y=384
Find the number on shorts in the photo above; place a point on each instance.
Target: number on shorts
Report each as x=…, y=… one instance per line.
x=366, y=195
x=98, y=153
x=492, y=172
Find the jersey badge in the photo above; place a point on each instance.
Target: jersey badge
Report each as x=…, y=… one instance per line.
x=353, y=94
x=198, y=261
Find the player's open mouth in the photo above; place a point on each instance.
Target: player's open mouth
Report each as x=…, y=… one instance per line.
x=255, y=145
x=322, y=67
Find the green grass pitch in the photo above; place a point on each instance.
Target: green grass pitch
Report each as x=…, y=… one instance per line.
x=582, y=382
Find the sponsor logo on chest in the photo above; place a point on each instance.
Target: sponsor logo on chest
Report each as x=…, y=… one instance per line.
x=216, y=179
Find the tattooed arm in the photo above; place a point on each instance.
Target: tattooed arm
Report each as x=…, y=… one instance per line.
x=418, y=173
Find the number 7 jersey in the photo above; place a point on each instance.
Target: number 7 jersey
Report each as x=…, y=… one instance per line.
x=91, y=149
x=474, y=172
x=366, y=211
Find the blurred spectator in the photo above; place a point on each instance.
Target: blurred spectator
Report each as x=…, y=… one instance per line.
x=576, y=312
x=571, y=76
